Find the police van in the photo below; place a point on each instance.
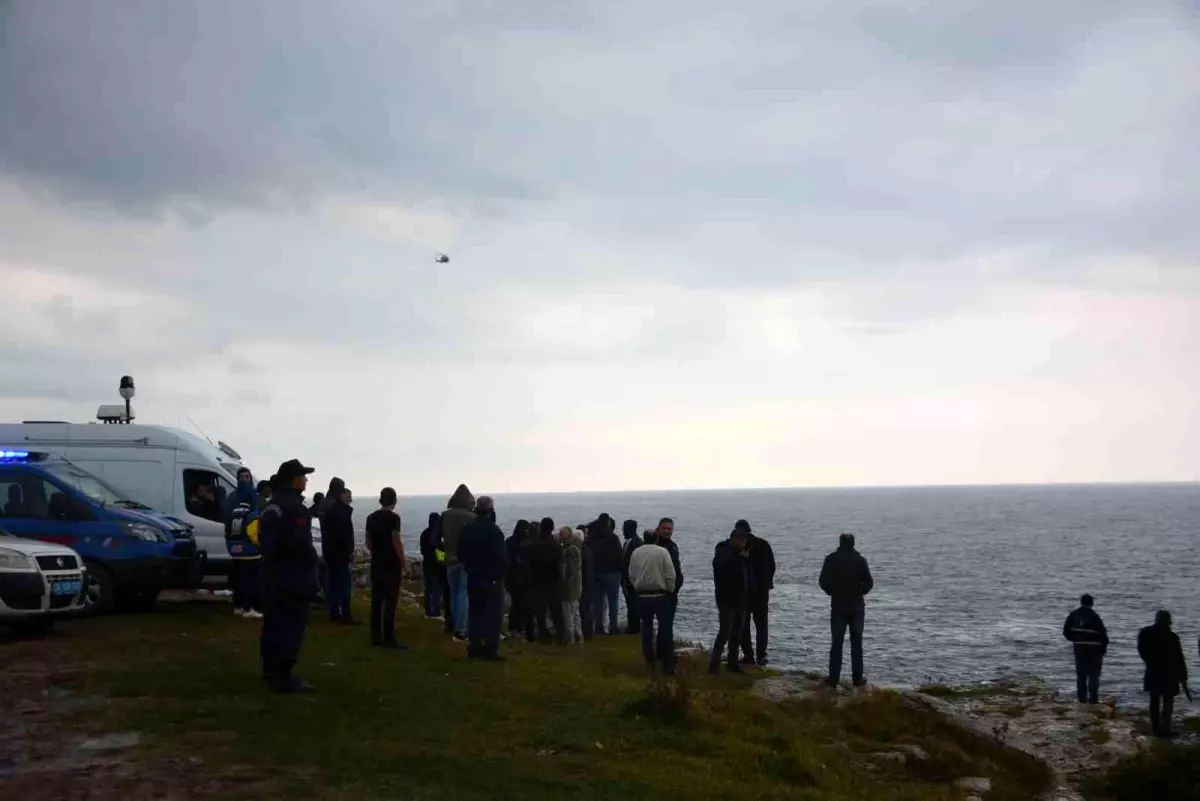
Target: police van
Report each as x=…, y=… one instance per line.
x=130, y=552
x=168, y=470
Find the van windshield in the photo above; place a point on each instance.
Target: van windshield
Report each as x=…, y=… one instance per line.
x=89, y=485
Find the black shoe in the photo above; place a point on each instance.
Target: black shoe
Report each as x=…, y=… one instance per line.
x=734, y=667
x=290, y=685
x=392, y=645
x=748, y=661
x=762, y=661
x=860, y=682
x=460, y=637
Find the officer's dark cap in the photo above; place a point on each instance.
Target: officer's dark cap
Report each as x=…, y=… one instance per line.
x=292, y=468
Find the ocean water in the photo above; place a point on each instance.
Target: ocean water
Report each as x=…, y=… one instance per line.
x=971, y=583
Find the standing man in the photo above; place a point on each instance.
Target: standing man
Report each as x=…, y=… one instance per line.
x=730, y=579
x=608, y=566
x=516, y=581
x=1166, y=671
x=664, y=537
x=430, y=571
x=632, y=541
x=846, y=579
x=289, y=577
x=1085, y=630
x=458, y=515
x=545, y=558
x=337, y=548
x=387, y=567
x=761, y=561
x=241, y=509
x=481, y=554
x=652, y=573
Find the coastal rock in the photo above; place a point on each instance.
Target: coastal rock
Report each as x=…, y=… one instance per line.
x=975, y=785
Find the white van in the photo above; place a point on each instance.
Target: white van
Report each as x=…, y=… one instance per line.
x=157, y=466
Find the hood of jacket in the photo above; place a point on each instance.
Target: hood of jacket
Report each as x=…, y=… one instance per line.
x=461, y=499
x=336, y=485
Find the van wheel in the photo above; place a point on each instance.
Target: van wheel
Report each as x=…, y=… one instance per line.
x=101, y=597
x=33, y=629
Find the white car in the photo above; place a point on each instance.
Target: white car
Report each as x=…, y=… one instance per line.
x=39, y=583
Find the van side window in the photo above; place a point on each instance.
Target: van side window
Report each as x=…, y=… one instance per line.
x=205, y=492
x=12, y=495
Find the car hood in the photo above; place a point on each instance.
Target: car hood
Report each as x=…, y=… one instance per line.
x=35, y=547
x=172, y=524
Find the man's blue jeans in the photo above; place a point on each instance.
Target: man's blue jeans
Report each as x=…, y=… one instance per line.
x=337, y=593
x=606, y=591
x=456, y=574
x=662, y=649
x=433, y=591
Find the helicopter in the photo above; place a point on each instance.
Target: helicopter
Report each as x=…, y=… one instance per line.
x=441, y=258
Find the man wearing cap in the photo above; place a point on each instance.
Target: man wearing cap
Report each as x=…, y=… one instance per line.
x=289, y=566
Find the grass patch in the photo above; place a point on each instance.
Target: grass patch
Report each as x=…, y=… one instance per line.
x=1163, y=772
x=579, y=723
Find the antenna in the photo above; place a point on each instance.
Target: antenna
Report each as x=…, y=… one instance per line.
x=198, y=428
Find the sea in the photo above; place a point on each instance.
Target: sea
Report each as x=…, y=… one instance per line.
x=972, y=584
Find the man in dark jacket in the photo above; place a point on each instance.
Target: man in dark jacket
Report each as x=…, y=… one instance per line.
x=731, y=581
x=587, y=621
x=846, y=579
x=289, y=568
x=516, y=581
x=545, y=558
x=1085, y=630
x=761, y=561
x=608, y=568
x=1166, y=671
x=632, y=542
x=664, y=536
x=481, y=553
x=337, y=548
x=431, y=568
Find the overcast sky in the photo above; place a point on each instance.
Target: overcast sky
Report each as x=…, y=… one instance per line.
x=693, y=244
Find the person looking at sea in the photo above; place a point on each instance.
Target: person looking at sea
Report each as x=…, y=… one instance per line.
x=459, y=513
x=545, y=558
x=387, y=568
x=652, y=574
x=761, y=560
x=1086, y=631
x=731, y=582
x=431, y=570
x=846, y=579
x=632, y=543
x=1166, y=671
x=481, y=554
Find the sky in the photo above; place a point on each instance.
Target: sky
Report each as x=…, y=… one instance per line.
x=692, y=244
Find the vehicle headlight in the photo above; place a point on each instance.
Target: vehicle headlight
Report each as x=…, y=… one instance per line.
x=144, y=532
x=15, y=560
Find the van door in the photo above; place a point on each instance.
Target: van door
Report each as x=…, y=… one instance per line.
x=38, y=509
x=205, y=492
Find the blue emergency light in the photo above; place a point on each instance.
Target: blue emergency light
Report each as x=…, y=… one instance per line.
x=19, y=457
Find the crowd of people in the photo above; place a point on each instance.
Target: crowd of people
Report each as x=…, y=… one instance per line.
x=563, y=585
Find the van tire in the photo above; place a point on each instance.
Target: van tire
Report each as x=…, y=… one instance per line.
x=101, y=596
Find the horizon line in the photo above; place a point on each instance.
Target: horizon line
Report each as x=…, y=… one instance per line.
x=812, y=487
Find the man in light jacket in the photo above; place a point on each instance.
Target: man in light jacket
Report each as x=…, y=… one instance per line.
x=652, y=575
x=1086, y=631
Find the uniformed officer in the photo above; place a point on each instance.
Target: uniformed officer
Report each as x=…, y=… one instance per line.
x=289, y=568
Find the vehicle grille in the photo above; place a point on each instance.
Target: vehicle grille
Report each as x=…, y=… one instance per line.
x=64, y=562
x=62, y=601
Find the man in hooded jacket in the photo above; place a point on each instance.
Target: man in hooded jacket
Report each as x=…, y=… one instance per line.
x=460, y=512
x=1166, y=671
x=337, y=548
x=241, y=507
x=632, y=542
x=430, y=571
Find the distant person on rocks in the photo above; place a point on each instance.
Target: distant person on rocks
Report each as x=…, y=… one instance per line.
x=1086, y=631
x=846, y=579
x=289, y=567
x=337, y=547
x=731, y=581
x=652, y=574
x=387, y=568
x=608, y=565
x=459, y=513
x=761, y=561
x=481, y=553
x=632, y=542
x=431, y=572
x=572, y=547
x=1166, y=671
x=317, y=502
x=516, y=581
x=545, y=557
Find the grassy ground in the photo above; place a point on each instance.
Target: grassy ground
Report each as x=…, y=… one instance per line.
x=1165, y=772
x=578, y=723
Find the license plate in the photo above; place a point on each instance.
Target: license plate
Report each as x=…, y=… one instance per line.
x=66, y=587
